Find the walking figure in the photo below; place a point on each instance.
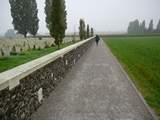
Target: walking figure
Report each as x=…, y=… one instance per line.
x=97, y=39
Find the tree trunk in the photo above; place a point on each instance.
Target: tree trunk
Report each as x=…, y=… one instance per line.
x=58, y=45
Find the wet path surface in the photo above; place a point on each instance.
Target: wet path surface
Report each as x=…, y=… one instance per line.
x=95, y=89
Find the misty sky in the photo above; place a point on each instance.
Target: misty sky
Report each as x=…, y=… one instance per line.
x=103, y=15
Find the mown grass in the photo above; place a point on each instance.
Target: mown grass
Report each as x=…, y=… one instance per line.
x=16, y=60
x=140, y=57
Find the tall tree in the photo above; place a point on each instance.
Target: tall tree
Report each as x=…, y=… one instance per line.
x=82, y=32
x=33, y=18
x=130, y=28
x=88, y=31
x=150, y=28
x=158, y=27
x=134, y=27
x=24, y=14
x=142, y=28
x=64, y=21
x=48, y=5
x=81, y=29
x=57, y=23
x=92, y=32
x=20, y=13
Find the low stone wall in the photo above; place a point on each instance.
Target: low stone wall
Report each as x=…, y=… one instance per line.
x=23, y=98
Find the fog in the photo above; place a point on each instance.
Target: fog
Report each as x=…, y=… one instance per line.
x=103, y=15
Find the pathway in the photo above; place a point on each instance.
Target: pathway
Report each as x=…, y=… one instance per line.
x=95, y=89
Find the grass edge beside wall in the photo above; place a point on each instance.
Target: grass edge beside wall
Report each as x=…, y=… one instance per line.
x=139, y=57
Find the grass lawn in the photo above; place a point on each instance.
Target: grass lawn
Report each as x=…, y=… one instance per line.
x=16, y=60
x=140, y=57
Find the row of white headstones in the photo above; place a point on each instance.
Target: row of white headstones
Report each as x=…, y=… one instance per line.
x=18, y=46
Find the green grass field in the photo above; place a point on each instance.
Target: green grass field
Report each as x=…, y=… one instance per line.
x=16, y=60
x=140, y=57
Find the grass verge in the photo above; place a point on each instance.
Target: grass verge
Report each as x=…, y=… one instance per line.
x=140, y=57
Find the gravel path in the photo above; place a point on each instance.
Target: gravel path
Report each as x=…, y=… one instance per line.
x=95, y=89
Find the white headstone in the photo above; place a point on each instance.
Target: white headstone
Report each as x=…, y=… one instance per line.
x=0, y=53
x=41, y=44
x=30, y=46
x=25, y=47
x=5, y=51
x=16, y=49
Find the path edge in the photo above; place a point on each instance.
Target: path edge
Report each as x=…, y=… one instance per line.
x=152, y=113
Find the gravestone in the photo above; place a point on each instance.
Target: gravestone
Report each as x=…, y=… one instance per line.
x=46, y=44
x=30, y=46
x=16, y=49
x=10, y=48
x=36, y=47
x=5, y=51
x=25, y=46
x=1, y=53
x=41, y=44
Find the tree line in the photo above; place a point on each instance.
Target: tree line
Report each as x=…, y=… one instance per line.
x=135, y=27
x=84, y=32
x=25, y=19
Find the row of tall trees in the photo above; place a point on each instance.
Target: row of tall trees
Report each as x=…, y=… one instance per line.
x=25, y=16
x=25, y=19
x=84, y=32
x=135, y=27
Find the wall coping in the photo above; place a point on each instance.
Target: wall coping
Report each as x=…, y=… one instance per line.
x=12, y=77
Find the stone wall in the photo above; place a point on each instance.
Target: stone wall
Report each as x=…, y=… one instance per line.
x=20, y=102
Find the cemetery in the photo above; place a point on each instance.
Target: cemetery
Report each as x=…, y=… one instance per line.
x=79, y=60
x=24, y=50
x=18, y=46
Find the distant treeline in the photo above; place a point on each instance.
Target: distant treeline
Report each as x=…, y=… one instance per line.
x=25, y=20
x=135, y=27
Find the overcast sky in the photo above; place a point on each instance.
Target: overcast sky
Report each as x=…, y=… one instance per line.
x=103, y=15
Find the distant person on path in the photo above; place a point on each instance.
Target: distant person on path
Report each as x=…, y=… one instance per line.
x=97, y=39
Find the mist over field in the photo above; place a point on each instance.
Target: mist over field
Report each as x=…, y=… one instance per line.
x=104, y=15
